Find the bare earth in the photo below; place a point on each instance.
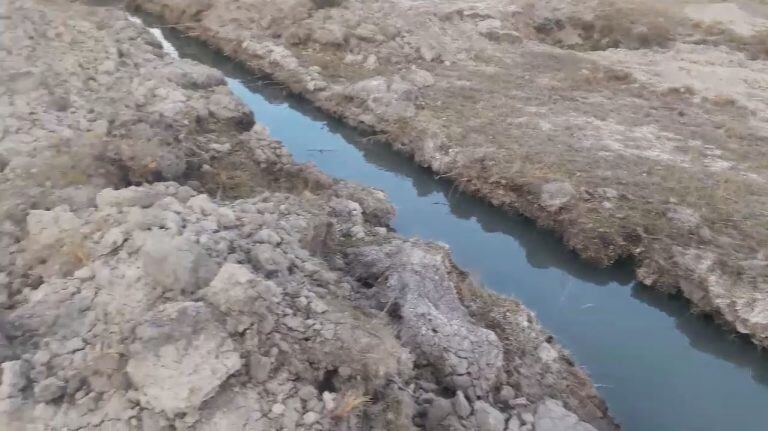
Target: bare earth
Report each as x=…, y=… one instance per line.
x=634, y=129
x=165, y=265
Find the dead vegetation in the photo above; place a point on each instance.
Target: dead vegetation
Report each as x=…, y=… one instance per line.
x=625, y=25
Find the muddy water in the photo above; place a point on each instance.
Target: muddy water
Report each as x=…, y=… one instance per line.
x=658, y=367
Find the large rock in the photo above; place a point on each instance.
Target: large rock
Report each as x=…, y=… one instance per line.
x=191, y=74
x=487, y=418
x=176, y=263
x=54, y=244
x=415, y=282
x=180, y=357
x=242, y=296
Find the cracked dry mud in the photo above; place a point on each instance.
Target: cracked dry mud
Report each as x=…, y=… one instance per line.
x=165, y=265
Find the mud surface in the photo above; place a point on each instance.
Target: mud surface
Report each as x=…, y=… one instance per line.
x=633, y=129
x=164, y=264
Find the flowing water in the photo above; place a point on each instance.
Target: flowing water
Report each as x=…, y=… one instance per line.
x=659, y=367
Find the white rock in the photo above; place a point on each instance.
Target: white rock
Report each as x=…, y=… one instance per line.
x=552, y=416
x=488, y=418
x=307, y=393
x=202, y=204
x=49, y=389
x=267, y=236
x=241, y=295
x=176, y=263
x=461, y=405
x=547, y=353
x=143, y=197
x=84, y=273
x=14, y=378
x=180, y=357
x=310, y=418
x=278, y=409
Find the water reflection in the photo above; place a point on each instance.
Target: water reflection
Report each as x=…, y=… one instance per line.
x=542, y=251
x=659, y=367
x=704, y=334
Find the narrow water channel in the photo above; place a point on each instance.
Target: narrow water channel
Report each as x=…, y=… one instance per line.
x=658, y=367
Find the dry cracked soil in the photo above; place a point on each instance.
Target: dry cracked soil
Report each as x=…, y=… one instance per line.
x=636, y=129
x=165, y=265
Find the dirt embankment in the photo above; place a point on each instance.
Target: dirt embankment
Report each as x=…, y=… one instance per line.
x=165, y=265
x=635, y=130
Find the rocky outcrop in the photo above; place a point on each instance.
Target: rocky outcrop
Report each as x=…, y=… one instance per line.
x=415, y=288
x=165, y=264
x=649, y=107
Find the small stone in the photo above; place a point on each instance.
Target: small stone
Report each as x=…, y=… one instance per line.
x=345, y=372
x=547, y=353
x=488, y=418
x=513, y=424
x=419, y=78
x=310, y=418
x=177, y=263
x=202, y=204
x=506, y=394
x=294, y=323
x=521, y=401
x=318, y=307
x=437, y=411
x=315, y=405
x=556, y=194
x=267, y=236
x=278, y=409
x=552, y=416
x=307, y=393
x=268, y=259
x=84, y=273
x=49, y=389
x=371, y=62
x=527, y=417
x=357, y=232
x=428, y=386
x=41, y=358
x=74, y=382
x=427, y=398
x=461, y=405
x=329, y=401
x=226, y=217
x=259, y=368
x=14, y=378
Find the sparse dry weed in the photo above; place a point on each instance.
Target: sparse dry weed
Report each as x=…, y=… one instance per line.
x=349, y=403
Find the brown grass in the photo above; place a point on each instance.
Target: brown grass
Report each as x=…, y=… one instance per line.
x=350, y=402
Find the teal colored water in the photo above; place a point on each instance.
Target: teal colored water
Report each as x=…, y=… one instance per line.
x=658, y=367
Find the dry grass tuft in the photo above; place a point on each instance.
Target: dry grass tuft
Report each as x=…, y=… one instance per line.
x=350, y=402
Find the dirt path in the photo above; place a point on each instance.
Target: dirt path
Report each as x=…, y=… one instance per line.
x=635, y=130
